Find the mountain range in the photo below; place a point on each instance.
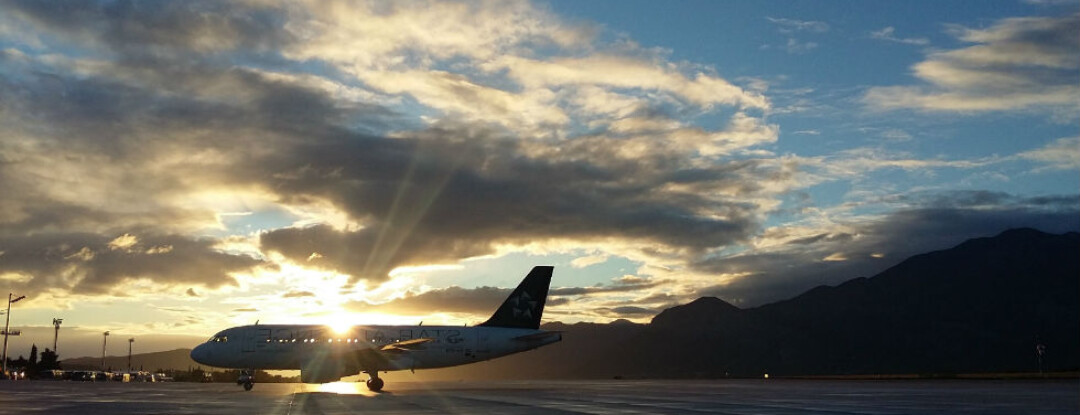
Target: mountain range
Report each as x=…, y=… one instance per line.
x=980, y=307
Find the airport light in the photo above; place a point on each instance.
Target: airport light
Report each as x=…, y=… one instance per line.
x=56, y=325
x=105, y=337
x=7, y=323
x=130, y=342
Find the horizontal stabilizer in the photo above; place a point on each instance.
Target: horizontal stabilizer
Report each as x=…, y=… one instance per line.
x=538, y=336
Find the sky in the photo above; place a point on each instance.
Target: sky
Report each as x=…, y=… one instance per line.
x=169, y=169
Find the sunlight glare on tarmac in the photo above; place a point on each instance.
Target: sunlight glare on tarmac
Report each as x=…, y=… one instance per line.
x=341, y=388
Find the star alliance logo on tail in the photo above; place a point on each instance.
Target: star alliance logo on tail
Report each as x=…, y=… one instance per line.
x=523, y=305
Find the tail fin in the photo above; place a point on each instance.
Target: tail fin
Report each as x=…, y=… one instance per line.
x=523, y=308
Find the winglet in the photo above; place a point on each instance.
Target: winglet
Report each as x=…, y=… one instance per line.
x=523, y=308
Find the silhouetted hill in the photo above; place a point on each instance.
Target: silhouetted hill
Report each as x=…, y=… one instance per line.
x=179, y=359
x=978, y=307
x=703, y=311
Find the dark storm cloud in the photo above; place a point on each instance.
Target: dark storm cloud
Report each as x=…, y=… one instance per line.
x=93, y=264
x=360, y=253
x=936, y=221
x=444, y=198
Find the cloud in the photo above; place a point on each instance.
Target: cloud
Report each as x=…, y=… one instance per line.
x=887, y=33
x=587, y=261
x=621, y=285
x=405, y=134
x=856, y=162
x=627, y=312
x=794, y=46
x=611, y=71
x=206, y=99
x=1062, y=154
x=1015, y=64
x=791, y=27
x=478, y=301
x=482, y=301
x=90, y=264
x=366, y=254
x=794, y=25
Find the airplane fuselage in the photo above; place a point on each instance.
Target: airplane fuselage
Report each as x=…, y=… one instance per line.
x=323, y=354
x=364, y=348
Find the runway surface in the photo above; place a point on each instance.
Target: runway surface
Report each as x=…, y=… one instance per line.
x=558, y=397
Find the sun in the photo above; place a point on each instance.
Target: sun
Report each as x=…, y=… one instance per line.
x=340, y=323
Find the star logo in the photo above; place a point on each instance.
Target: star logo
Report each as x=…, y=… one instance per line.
x=523, y=305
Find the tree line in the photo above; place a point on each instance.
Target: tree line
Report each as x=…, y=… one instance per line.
x=48, y=360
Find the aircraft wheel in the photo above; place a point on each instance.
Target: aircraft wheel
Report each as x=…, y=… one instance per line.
x=375, y=384
x=248, y=385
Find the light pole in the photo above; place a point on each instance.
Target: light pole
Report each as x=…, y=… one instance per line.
x=56, y=324
x=7, y=322
x=104, y=341
x=130, y=342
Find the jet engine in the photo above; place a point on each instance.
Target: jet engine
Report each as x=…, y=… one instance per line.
x=324, y=372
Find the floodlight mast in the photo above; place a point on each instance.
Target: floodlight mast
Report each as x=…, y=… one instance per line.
x=7, y=325
x=56, y=333
x=104, y=341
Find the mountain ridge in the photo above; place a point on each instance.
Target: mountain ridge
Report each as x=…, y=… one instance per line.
x=978, y=307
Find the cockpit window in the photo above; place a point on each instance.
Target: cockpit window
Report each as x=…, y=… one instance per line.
x=219, y=338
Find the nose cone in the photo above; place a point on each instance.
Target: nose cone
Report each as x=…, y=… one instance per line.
x=201, y=354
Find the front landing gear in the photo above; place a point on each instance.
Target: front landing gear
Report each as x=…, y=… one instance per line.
x=247, y=379
x=375, y=383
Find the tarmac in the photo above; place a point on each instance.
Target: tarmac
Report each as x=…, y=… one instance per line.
x=550, y=397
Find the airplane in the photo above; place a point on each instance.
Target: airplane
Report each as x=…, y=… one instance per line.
x=324, y=355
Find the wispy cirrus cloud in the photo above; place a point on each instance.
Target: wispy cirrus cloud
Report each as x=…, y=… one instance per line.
x=793, y=27
x=786, y=25
x=888, y=33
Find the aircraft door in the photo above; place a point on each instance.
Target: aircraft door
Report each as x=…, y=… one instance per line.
x=247, y=341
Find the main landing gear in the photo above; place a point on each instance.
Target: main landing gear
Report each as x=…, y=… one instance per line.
x=374, y=383
x=247, y=378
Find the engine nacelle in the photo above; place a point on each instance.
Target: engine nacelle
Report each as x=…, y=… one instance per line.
x=323, y=372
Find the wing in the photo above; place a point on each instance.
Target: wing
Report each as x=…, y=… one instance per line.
x=405, y=346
